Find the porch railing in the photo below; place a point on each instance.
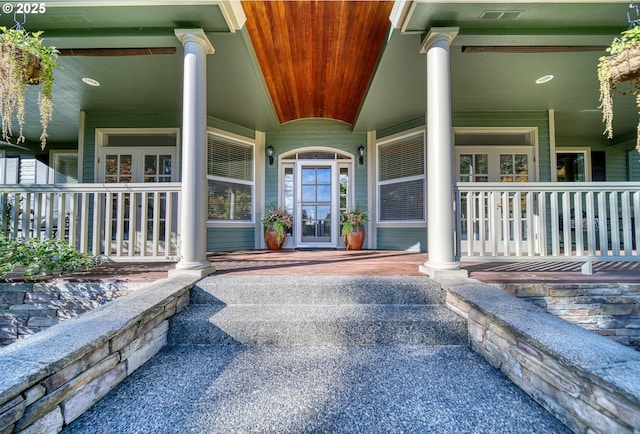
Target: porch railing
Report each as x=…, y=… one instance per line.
x=548, y=221
x=119, y=221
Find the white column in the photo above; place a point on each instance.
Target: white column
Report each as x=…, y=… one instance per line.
x=193, y=212
x=440, y=209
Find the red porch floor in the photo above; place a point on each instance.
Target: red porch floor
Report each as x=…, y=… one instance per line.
x=368, y=262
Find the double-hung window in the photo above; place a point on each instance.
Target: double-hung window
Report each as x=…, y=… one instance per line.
x=230, y=176
x=401, y=179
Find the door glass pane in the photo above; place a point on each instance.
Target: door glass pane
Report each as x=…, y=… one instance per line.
x=324, y=176
x=324, y=193
x=514, y=167
x=474, y=167
x=309, y=193
x=150, y=168
x=157, y=168
x=117, y=168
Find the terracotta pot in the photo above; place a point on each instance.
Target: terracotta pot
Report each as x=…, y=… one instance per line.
x=271, y=240
x=355, y=239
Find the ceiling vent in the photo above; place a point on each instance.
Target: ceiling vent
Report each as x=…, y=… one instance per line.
x=500, y=15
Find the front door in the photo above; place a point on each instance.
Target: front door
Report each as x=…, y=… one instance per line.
x=317, y=204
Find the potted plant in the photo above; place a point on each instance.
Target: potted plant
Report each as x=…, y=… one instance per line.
x=353, y=228
x=276, y=222
x=622, y=64
x=24, y=61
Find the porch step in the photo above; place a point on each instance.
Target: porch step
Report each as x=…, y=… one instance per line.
x=317, y=311
x=287, y=354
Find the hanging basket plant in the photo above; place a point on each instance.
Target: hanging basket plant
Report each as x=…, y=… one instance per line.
x=621, y=65
x=24, y=61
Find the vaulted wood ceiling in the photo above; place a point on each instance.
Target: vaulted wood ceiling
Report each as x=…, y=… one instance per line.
x=317, y=57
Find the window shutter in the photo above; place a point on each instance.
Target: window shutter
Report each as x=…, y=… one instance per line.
x=229, y=159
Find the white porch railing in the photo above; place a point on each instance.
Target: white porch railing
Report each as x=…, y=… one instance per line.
x=119, y=221
x=548, y=221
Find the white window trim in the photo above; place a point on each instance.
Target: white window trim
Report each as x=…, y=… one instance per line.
x=533, y=131
x=390, y=140
x=492, y=152
x=586, y=150
x=102, y=132
x=52, y=155
x=211, y=223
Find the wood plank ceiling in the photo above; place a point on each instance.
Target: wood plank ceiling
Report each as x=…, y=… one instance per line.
x=317, y=57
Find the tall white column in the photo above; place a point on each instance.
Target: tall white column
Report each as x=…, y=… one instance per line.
x=440, y=209
x=193, y=212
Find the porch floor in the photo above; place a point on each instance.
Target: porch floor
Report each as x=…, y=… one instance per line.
x=367, y=262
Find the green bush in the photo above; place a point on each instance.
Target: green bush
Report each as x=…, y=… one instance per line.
x=36, y=256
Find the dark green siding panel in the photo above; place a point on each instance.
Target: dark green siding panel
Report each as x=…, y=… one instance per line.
x=539, y=119
x=411, y=239
x=316, y=132
x=119, y=120
x=230, y=239
x=634, y=165
x=404, y=126
x=231, y=128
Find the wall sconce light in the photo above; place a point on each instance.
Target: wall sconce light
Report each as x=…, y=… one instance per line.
x=361, y=154
x=270, y=154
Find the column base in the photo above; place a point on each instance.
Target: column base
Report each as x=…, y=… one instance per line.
x=451, y=269
x=198, y=269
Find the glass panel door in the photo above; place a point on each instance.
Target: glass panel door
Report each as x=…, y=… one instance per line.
x=138, y=165
x=317, y=216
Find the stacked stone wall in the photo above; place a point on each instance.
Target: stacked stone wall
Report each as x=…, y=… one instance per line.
x=50, y=379
x=590, y=383
x=28, y=308
x=611, y=310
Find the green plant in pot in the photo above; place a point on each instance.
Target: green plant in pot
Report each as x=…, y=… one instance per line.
x=353, y=228
x=278, y=220
x=24, y=61
x=621, y=65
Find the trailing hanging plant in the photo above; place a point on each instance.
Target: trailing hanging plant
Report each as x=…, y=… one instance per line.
x=24, y=60
x=622, y=64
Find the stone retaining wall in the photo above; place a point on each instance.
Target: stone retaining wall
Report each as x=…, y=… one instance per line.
x=611, y=310
x=30, y=307
x=50, y=379
x=590, y=383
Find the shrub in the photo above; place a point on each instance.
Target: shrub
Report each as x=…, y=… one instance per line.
x=42, y=256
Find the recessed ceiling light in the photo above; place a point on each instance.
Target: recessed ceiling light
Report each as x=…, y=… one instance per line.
x=544, y=79
x=91, y=81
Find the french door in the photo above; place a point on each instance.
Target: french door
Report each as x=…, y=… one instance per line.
x=484, y=213
x=138, y=165
x=317, y=222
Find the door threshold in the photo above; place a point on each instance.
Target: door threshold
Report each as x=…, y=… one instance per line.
x=314, y=249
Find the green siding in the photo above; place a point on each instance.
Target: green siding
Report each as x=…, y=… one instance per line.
x=404, y=126
x=316, y=132
x=634, y=165
x=230, y=239
x=410, y=239
x=231, y=128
